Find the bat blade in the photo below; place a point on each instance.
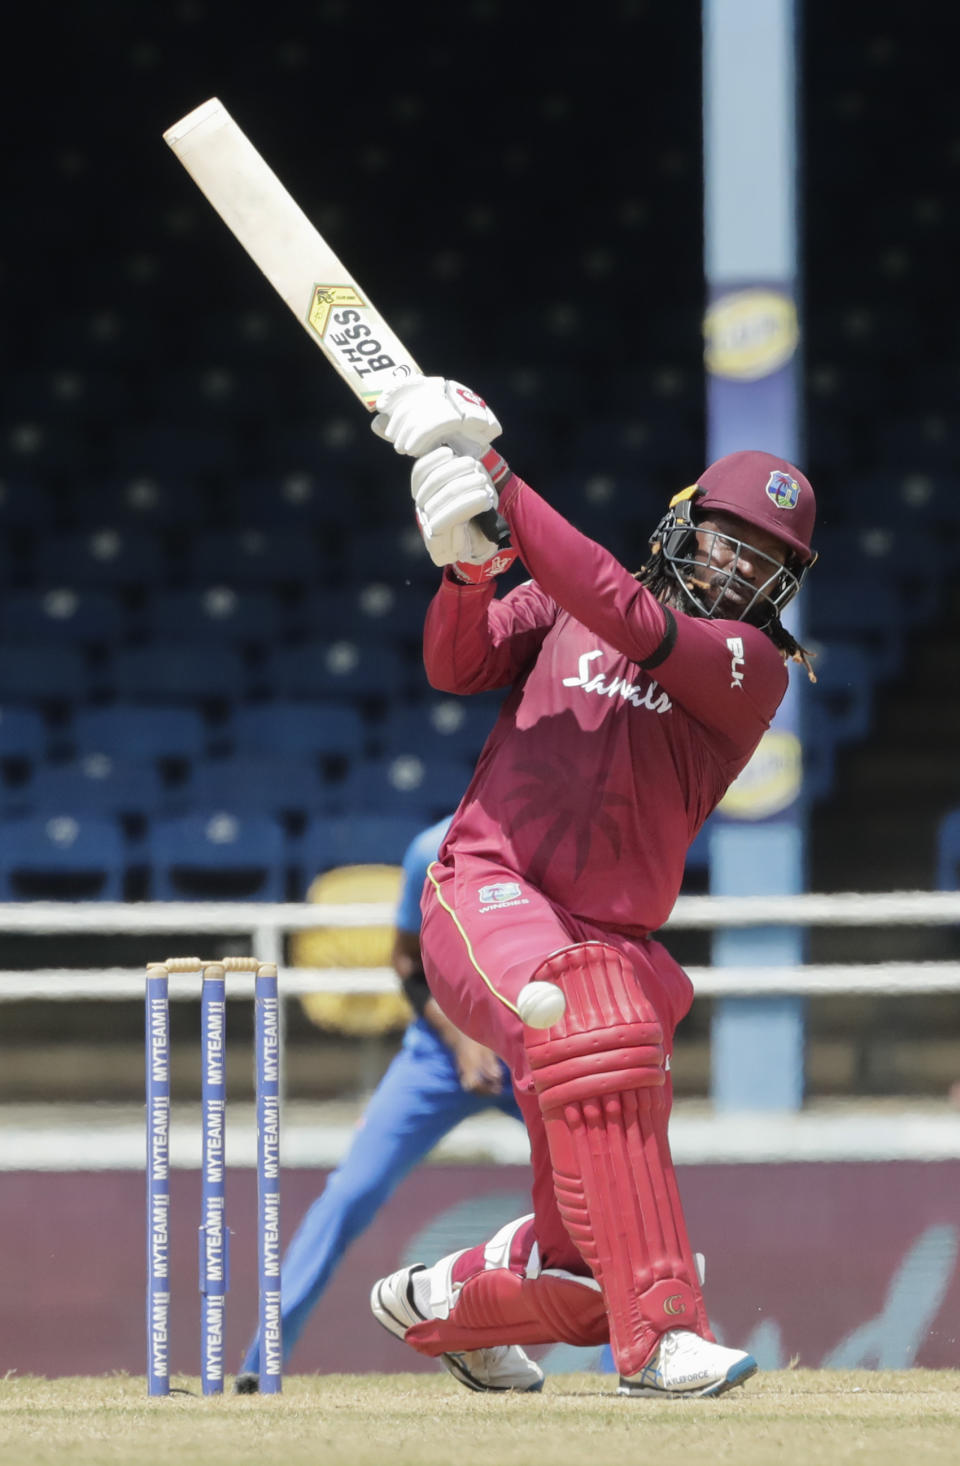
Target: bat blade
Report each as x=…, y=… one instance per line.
x=337, y=315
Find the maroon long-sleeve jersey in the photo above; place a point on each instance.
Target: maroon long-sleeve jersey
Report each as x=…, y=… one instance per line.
x=597, y=774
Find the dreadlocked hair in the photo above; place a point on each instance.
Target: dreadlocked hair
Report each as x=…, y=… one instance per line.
x=789, y=645
x=656, y=577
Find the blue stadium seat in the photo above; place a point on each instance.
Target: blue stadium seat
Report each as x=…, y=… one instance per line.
x=908, y=498
x=215, y=613
x=366, y=609
x=948, y=852
x=344, y=668
x=356, y=840
x=25, y=504
x=394, y=553
x=256, y=784
x=110, y=555
x=59, y=857
x=62, y=615
x=144, y=501
x=861, y=609
x=295, y=500
x=93, y=784
x=217, y=855
x=255, y=557
x=179, y=674
x=439, y=727
x=176, y=448
x=842, y=702
x=23, y=733
x=300, y=729
x=44, y=674
x=139, y=732
x=404, y=784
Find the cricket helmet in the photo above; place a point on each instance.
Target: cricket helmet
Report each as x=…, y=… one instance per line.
x=764, y=491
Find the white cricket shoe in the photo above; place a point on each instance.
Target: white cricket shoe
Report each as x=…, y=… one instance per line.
x=403, y=1299
x=683, y=1366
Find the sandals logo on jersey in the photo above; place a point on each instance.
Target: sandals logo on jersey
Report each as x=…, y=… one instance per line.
x=783, y=490
x=501, y=894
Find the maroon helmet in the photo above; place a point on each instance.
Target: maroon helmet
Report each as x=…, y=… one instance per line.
x=767, y=492
x=764, y=491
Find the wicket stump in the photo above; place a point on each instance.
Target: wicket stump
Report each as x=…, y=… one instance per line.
x=214, y=1237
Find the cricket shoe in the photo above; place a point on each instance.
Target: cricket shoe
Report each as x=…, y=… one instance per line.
x=685, y=1367
x=403, y=1299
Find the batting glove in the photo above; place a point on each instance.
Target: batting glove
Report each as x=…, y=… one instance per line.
x=450, y=493
x=424, y=412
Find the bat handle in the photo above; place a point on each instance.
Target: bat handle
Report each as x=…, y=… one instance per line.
x=494, y=526
x=490, y=523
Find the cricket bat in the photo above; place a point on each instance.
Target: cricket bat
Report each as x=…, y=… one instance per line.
x=337, y=315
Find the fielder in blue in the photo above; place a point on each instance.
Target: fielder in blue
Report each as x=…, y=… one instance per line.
x=438, y=1078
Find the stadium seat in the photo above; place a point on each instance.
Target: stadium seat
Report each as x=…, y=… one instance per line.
x=107, y=556
x=439, y=727
x=186, y=450
x=62, y=615
x=214, y=613
x=842, y=703
x=356, y=840
x=23, y=733
x=256, y=784
x=300, y=729
x=363, y=945
x=295, y=500
x=178, y=674
x=255, y=557
x=43, y=674
x=344, y=668
x=60, y=857
x=93, y=784
x=861, y=609
x=368, y=608
x=948, y=852
x=139, y=732
x=405, y=784
x=25, y=504
x=216, y=855
x=394, y=554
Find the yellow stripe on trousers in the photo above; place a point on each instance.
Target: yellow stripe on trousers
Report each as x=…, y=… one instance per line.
x=466, y=941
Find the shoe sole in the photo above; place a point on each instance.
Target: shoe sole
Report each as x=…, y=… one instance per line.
x=452, y=1362
x=737, y=1374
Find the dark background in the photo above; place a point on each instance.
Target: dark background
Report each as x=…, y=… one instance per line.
x=520, y=190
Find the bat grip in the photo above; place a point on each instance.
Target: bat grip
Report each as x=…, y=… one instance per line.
x=490, y=523
x=494, y=526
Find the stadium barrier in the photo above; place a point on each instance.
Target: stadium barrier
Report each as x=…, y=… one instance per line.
x=265, y=926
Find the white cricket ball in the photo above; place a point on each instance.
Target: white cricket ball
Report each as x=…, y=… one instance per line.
x=541, y=1004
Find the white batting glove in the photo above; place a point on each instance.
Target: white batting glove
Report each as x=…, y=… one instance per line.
x=420, y=414
x=449, y=491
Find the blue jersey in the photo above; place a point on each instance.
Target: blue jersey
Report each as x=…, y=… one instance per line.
x=420, y=853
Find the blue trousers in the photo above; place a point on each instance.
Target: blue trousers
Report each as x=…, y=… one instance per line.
x=418, y=1100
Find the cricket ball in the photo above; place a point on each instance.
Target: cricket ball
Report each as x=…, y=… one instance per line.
x=541, y=1004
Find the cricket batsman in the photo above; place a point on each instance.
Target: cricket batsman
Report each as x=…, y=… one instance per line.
x=635, y=701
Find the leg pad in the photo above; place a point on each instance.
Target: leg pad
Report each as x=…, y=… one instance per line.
x=600, y=1080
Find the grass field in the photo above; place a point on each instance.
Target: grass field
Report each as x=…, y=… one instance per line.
x=807, y=1417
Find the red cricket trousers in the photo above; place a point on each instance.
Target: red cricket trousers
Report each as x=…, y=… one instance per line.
x=485, y=932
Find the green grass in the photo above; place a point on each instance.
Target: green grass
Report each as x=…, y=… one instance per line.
x=790, y=1418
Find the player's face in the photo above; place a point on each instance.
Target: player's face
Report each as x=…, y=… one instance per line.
x=742, y=565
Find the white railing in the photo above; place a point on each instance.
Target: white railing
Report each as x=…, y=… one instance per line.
x=265, y=926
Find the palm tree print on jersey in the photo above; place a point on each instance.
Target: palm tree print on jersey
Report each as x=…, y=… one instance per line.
x=557, y=793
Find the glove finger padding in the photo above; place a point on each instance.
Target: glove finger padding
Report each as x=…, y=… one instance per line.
x=422, y=413
x=449, y=490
